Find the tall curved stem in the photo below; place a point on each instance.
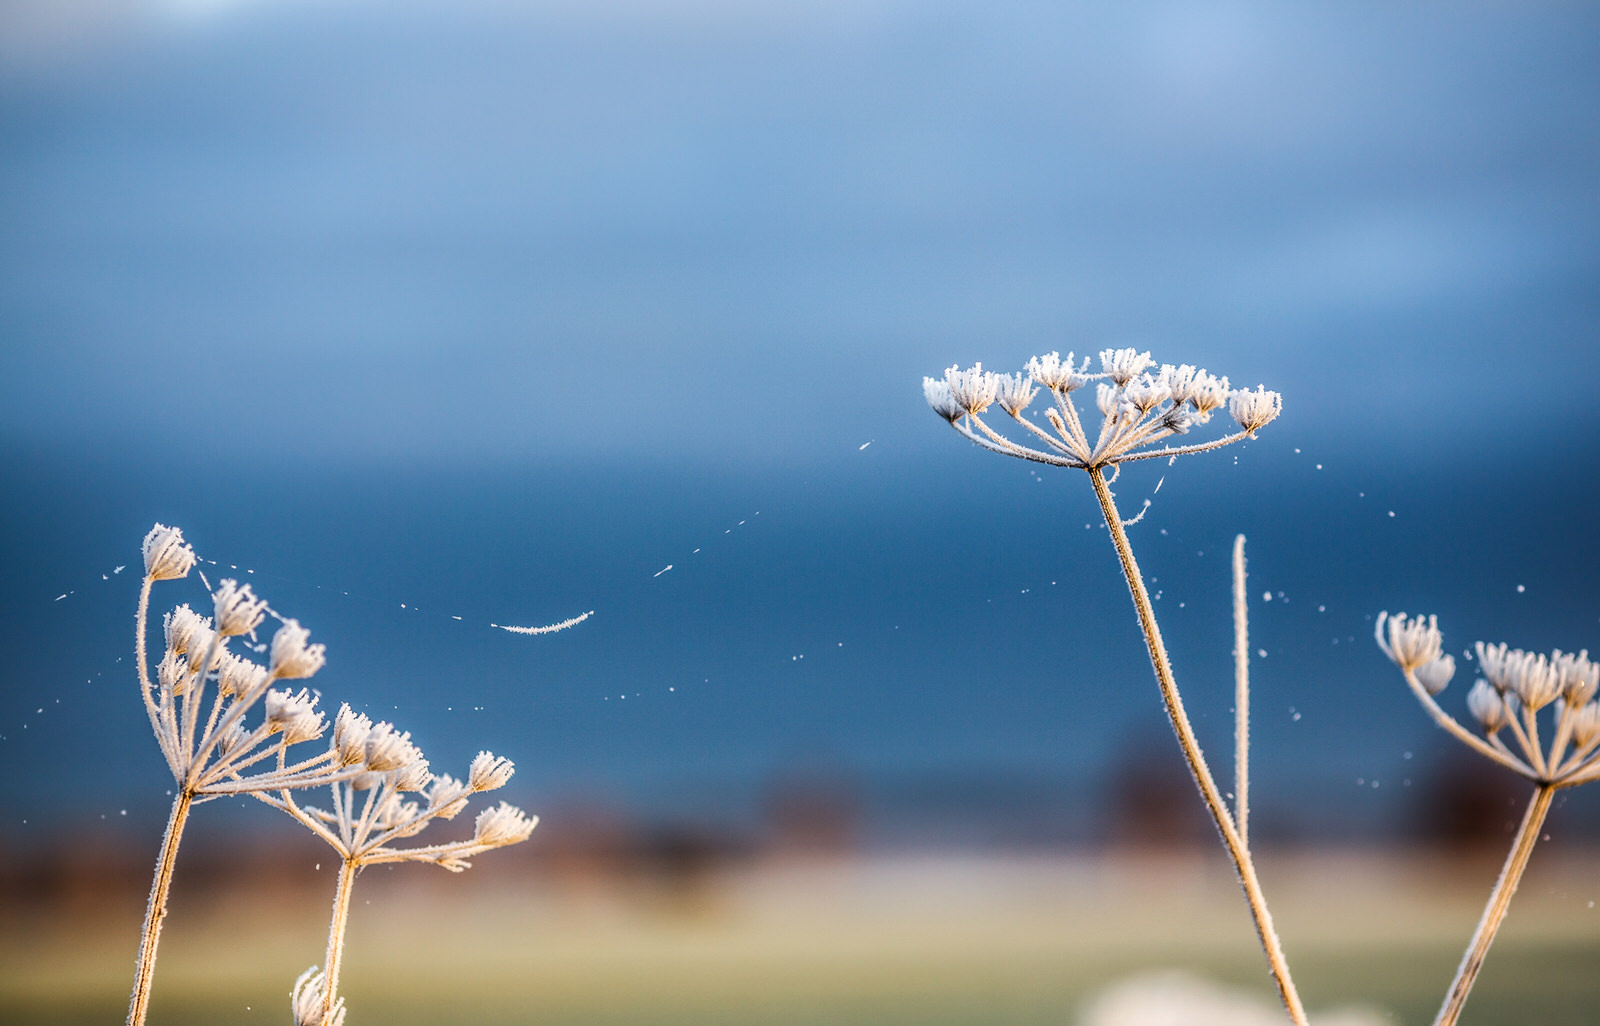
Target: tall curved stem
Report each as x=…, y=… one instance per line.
x=156, y=910
x=1499, y=902
x=336, y=927
x=1191, y=753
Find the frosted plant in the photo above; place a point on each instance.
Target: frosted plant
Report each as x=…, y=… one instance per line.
x=210, y=750
x=1516, y=687
x=1141, y=413
x=371, y=811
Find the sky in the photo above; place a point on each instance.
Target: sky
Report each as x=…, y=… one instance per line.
x=495, y=310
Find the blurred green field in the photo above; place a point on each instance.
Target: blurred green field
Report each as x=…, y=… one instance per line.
x=926, y=940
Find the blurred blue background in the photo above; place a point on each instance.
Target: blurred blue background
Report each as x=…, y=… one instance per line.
x=492, y=311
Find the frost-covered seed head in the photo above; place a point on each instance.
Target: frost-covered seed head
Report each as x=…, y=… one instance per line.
x=1586, y=724
x=173, y=673
x=489, y=771
x=1434, y=675
x=389, y=749
x=292, y=658
x=503, y=824
x=166, y=556
x=1531, y=676
x=1108, y=398
x=1016, y=392
x=973, y=389
x=242, y=677
x=1179, y=420
x=203, y=640
x=1486, y=706
x=1179, y=381
x=295, y=714
x=1123, y=365
x=1254, y=410
x=937, y=392
x=448, y=795
x=350, y=730
x=1209, y=393
x=413, y=776
x=179, y=627
x=237, y=610
x=1579, y=677
x=1053, y=372
x=306, y=1001
x=233, y=741
x=1144, y=394
x=1408, y=643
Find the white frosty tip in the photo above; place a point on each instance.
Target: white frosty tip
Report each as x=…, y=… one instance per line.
x=503, y=824
x=1016, y=392
x=236, y=608
x=1051, y=371
x=1254, y=410
x=973, y=389
x=1123, y=365
x=1408, y=643
x=292, y=658
x=1435, y=675
x=166, y=556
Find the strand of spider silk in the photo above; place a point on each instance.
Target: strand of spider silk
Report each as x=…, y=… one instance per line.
x=1241, y=696
x=156, y=910
x=1499, y=902
x=1191, y=753
x=336, y=928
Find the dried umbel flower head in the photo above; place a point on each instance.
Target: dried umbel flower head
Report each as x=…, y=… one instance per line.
x=504, y=824
x=295, y=714
x=179, y=626
x=350, y=730
x=237, y=610
x=241, y=677
x=1409, y=643
x=1515, y=688
x=1139, y=408
x=307, y=1001
x=389, y=749
x=489, y=771
x=1254, y=410
x=292, y=658
x=1578, y=676
x=1436, y=674
x=166, y=556
x=448, y=795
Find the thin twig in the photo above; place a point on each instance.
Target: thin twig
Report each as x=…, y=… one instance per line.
x=156, y=910
x=1191, y=753
x=1241, y=697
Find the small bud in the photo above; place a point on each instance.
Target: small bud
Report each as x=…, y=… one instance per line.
x=237, y=610
x=1434, y=675
x=413, y=776
x=1579, y=677
x=501, y=825
x=937, y=392
x=166, y=556
x=447, y=795
x=1057, y=374
x=1016, y=392
x=239, y=676
x=1144, y=394
x=1586, y=724
x=489, y=772
x=292, y=658
x=973, y=389
x=350, y=730
x=1531, y=676
x=1123, y=365
x=1210, y=393
x=295, y=714
x=1486, y=705
x=202, y=641
x=179, y=626
x=1410, y=643
x=1254, y=410
x=389, y=749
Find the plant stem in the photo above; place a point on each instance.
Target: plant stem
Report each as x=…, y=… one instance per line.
x=1499, y=902
x=1191, y=753
x=336, y=927
x=156, y=910
x=1241, y=697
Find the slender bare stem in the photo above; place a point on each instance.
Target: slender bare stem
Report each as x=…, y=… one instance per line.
x=1191, y=753
x=1499, y=901
x=156, y=910
x=1241, y=697
x=336, y=927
